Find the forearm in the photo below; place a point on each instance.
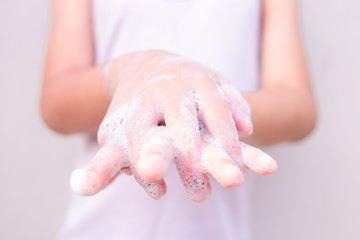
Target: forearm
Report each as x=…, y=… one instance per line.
x=284, y=109
x=75, y=101
x=280, y=115
x=71, y=83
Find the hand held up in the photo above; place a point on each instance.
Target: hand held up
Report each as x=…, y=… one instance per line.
x=204, y=117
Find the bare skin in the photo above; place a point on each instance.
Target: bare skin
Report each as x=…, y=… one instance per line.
x=204, y=116
x=75, y=99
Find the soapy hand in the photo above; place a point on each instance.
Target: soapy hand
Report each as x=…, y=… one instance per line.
x=166, y=108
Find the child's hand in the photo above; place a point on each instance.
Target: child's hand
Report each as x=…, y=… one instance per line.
x=204, y=117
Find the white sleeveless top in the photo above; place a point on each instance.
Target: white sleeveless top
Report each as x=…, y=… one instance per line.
x=222, y=34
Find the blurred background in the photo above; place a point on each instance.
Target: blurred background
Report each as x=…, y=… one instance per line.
x=314, y=195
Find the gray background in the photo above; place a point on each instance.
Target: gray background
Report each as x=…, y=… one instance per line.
x=314, y=194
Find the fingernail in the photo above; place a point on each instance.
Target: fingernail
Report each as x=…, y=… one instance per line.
x=233, y=177
x=247, y=128
x=151, y=167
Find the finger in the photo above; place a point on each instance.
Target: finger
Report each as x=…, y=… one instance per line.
x=141, y=132
x=99, y=172
x=218, y=122
x=142, y=116
x=155, y=189
x=220, y=165
x=156, y=156
x=112, y=127
x=182, y=122
x=238, y=106
x=257, y=160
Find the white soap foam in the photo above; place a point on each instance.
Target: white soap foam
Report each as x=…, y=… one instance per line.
x=120, y=119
